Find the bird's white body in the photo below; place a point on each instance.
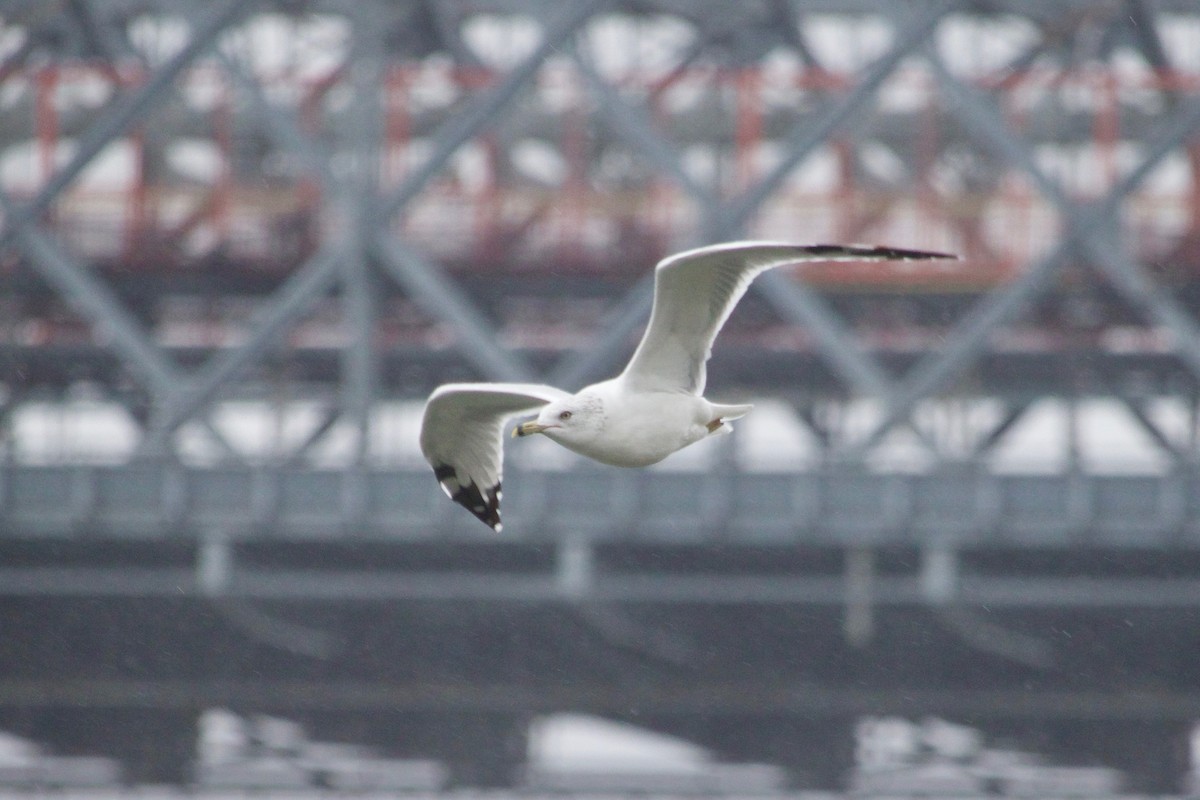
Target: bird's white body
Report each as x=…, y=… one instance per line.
x=655, y=407
x=637, y=428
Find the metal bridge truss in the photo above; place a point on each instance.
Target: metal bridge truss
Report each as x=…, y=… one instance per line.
x=324, y=209
x=382, y=225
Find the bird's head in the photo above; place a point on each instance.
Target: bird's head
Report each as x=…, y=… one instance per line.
x=571, y=420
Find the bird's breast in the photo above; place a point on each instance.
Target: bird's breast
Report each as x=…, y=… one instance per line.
x=643, y=429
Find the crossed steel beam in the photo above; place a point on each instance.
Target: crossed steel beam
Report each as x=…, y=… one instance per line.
x=88, y=294
x=125, y=114
x=369, y=238
x=1089, y=237
x=180, y=397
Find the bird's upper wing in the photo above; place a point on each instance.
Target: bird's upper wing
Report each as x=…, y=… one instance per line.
x=462, y=436
x=695, y=291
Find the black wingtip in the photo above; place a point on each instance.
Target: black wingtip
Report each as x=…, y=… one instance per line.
x=866, y=251
x=484, y=504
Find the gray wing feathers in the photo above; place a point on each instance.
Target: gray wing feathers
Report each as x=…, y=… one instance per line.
x=696, y=291
x=462, y=438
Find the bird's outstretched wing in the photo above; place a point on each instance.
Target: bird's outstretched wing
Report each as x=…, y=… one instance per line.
x=695, y=291
x=462, y=436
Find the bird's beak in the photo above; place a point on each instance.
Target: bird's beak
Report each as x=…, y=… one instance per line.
x=528, y=429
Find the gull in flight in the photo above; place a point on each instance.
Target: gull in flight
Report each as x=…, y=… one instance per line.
x=653, y=408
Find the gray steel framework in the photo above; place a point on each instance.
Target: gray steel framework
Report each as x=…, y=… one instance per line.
x=224, y=536
x=362, y=250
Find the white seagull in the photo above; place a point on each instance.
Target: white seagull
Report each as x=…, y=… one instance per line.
x=653, y=408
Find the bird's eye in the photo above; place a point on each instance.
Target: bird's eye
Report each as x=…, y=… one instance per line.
x=564, y=416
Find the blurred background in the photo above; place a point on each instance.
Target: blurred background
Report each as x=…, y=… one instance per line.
x=955, y=548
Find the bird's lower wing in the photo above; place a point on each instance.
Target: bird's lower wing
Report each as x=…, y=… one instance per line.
x=462, y=438
x=695, y=292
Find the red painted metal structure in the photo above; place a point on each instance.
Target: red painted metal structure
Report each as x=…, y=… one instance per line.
x=184, y=191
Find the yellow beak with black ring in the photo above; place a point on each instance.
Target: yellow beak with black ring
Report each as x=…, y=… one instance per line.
x=529, y=428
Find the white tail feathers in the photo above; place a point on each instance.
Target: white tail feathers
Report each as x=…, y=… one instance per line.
x=722, y=415
x=726, y=413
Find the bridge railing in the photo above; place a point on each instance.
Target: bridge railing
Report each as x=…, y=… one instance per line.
x=827, y=507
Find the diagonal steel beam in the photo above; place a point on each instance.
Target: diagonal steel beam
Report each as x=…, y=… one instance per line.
x=425, y=281
x=92, y=298
x=1133, y=282
x=328, y=419
x=97, y=30
x=1090, y=233
x=800, y=305
x=1141, y=24
x=963, y=346
x=98, y=136
x=460, y=128
x=279, y=124
x=17, y=58
x=969, y=338
x=96, y=302
x=1012, y=415
x=808, y=136
x=1107, y=255
x=297, y=295
x=635, y=127
x=429, y=286
x=792, y=32
x=1137, y=409
x=980, y=115
x=633, y=309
